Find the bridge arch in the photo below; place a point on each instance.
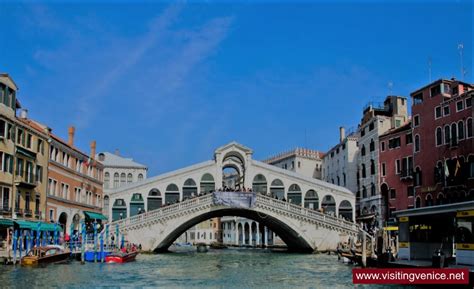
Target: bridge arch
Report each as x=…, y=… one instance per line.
x=259, y=184
x=311, y=200
x=277, y=189
x=171, y=194
x=154, y=200
x=294, y=194
x=189, y=189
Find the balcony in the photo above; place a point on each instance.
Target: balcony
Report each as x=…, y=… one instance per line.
x=28, y=213
x=25, y=180
x=38, y=214
x=5, y=210
x=19, y=211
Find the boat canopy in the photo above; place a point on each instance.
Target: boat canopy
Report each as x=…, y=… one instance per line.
x=94, y=216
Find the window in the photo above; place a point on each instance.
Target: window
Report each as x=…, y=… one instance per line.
x=417, y=143
x=3, y=128
x=454, y=134
x=447, y=135
x=116, y=180
x=438, y=112
x=129, y=178
x=39, y=173
x=5, y=198
x=371, y=126
x=8, y=163
x=439, y=136
x=435, y=90
x=363, y=171
x=469, y=128
x=417, y=180
x=459, y=105
x=106, y=180
x=446, y=110
x=393, y=193
x=28, y=140
x=382, y=145
x=394, y=143
x=398, y=168
x=362, y=151
x=372, y=167
x=461, y=130
x=410, y=191
x=471, y=166
x=418, y=98
x=372, y=190
x=292, y=164
x=40, y=147
x=27, y=201
x=362, y=132
x=372, y=145
x=468, y=102
x=20, y=137
x=384, y=173
x=416, y=120
x=398, y=123
x=51, y=214
x=409, y=138
x=364, y=192
x=344, y=178
x=140, y=177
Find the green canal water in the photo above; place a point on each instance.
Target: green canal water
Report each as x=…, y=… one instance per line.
x=229, y=268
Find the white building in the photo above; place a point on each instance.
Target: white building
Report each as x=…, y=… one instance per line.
x=302, y=161
x=340, y=162
x=377, y=120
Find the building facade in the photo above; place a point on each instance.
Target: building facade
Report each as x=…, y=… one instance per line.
x=340, y=162
x=377, y=119
x=396, y=170
x=443, y=143
x=302, y=161
x=74, y=183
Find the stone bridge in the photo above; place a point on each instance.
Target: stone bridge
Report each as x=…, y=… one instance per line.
x=302, y=229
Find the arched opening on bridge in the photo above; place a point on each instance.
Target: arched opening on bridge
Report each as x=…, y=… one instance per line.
x=189, y=189
x=311, y=200
x=171, y=194
x=137, y=204
x=240, y=235
x=253, y=234
x=119, y=210
x=207, y=184
x=277, y=189
x=154, y=200
x=345, y=210
x=63, y=221
x=329, y=205
x=231, y=178
x=294, y=194
x=259, y=184
x=246, y=234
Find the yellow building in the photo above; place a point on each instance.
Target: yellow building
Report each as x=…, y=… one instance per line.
x=23, y=159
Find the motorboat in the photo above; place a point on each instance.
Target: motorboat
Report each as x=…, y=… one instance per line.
x=45, y=255
x=121, y=257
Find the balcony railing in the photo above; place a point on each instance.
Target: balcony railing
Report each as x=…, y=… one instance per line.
x=37, y=214
x=26, y=179
x=406, y=174
x=5, y=209
x=19, y=211
x=28, y=212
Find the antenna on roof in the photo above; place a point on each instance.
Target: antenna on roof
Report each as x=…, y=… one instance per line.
x=461, y=56
x=429, y=67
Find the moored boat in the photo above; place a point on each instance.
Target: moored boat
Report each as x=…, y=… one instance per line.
x=121, y=257
x=45, y=255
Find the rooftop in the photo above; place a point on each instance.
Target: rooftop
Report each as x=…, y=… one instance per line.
x=300, y=152
x=114, y=160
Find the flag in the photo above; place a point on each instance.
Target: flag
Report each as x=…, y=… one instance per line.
x=458, y=166
x=446, y=169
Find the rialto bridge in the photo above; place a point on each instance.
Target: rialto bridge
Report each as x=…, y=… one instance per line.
x=307, y=214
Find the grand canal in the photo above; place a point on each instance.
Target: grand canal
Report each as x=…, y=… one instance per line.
x=229, y=268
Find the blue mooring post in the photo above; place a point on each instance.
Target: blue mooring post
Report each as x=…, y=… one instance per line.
x=117, y=237
x=107, y=237
x=27, y=242
x=20, y=243
x=38, y=235
x=95, y=241
x=71, y=238
x=15, y=241
x=122, y=243
x=55, y=234
x=102, y=248
x=83, y=241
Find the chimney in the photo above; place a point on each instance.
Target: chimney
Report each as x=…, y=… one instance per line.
x=342, y=133
x=24, y=113
x=93, y=146
x=70, y=140
x=117, y=152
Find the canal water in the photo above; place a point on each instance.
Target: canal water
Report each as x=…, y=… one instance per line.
x=230, y=268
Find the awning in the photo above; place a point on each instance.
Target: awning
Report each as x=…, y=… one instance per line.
x=26, y=153
x=94, y=216
x=6, y=222
x=28, y=225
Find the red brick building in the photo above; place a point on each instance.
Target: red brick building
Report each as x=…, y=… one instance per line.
x=396, y=169
x=443, y=155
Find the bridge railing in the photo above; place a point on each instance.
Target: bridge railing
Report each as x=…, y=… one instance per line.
x=204, y=200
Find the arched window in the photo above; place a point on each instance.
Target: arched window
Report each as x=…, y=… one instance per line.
x=372, y=189
x=461, y=130
x=106, y=180
x=171, y=194
x=294, y=194
x=429, y=200
x=123, y=179
x=116, y=180
x=140, y=177
x=364, y=192
x=129, y=178
x=277, y=189
x=417, y=143
x=372, y=145
x=311, y=200
x=329, y=205
x=418, y=180
x=362, y=150
x=454, y=134
x=440, y=199
x=154, y=200
x=344, y=178
x=372, y=167
x=439, y=136
x=189, y=189
x=259, y=184
x=469, y=127
x=447, y=135
x=338, y=181
x=363, y=171
x=418, y=202
x=345, y=210
x=207, y=184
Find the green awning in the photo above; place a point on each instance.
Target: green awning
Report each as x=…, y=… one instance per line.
x=26, y=153
x=28, y=225
x=6, y=222
x=94, y=216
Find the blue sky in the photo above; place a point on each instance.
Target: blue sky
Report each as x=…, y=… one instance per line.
x=168, y=83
